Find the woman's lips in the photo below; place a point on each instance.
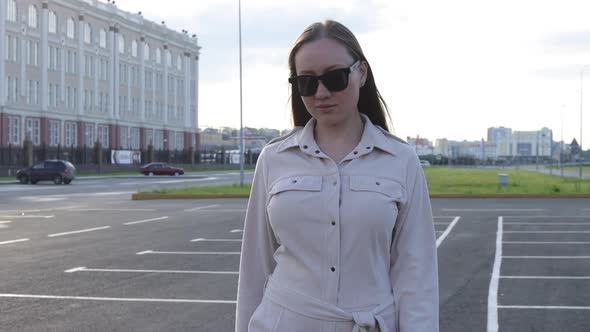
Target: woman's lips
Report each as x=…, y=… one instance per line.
x=324, y=107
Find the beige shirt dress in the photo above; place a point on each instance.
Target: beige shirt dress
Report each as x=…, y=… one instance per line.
x=338, y=247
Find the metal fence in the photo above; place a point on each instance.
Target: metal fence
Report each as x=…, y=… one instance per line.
x=15, y=156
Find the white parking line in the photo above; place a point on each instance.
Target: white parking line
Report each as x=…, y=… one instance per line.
x=548, y=223
x=80, y=231
x=546, y=242
x=5, y=221
x=151, y=252
x=237, y=231
x=120, y=299
x=546, y=232
x=447, y=231
x=201, y=207
x=442, y=223
x=493, y=291
x=144, y=221
x=24, y=216
x=549, y=217
x=484, y=210
x=544, y=277
x=85, y=269
x=541, y=307
x=109, y=210
x=547, y=257
x=14, y=241
x=215, y=240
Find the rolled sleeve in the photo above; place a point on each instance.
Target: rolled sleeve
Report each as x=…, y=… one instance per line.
x=258, y=247
x=414, y=267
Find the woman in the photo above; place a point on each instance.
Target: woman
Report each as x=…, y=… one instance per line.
x=338, y=233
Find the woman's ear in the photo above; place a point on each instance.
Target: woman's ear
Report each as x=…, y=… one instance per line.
x=364, y=69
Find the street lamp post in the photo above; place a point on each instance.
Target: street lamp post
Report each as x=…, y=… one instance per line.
x=581, y=108
x=241, y=125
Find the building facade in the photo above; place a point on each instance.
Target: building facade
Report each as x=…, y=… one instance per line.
x=527, y=144
x=76, y=72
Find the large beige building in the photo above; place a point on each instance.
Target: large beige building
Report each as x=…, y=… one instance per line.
x=80, y=71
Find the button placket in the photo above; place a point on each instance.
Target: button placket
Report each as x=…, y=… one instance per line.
x=332, y=266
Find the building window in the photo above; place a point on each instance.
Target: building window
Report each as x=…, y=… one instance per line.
x=159, y=140
x=146, y=52
x=89, y=66
x=158, y=56
x=87, y=33
x=103, y=38
x=121, y=44
x=54, y=132
x=70, y=28
x=69, y=98
x=179, y=63
x=32, y=53
x=89, y=135
x=135, y=138
x=33, y=129
x=72, y=62
x=52, y=22
x=168, y=59
x=123, y=137
x=51, y=94
x=53, y=54
x=11, y=14
x=103, y=136
x=134, y=49
x=13, y=130
x=33, y=17
x=12, y=46
x=71, y=134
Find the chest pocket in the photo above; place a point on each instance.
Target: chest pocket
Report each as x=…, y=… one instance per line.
x=297, y=183
x=390, y=188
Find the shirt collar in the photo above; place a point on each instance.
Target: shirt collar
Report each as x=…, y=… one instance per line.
x=373, y=137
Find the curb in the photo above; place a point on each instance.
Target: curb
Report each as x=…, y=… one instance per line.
x=510, y=196
x=148, y=196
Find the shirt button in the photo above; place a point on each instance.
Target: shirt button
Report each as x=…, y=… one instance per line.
x=333, y=269
x=333, y=223
x=368, y=148
x=356, y=152
x=378, y=183
x=294, y=181
x=335, y=182
x=317, y=151
x=305, y=146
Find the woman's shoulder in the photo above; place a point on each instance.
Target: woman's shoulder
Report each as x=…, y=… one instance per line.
x=279, y=143
x=398, y=146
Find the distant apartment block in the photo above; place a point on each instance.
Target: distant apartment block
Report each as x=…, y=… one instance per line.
x=76, y=72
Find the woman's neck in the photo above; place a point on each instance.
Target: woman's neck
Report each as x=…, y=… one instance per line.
x=338, y=140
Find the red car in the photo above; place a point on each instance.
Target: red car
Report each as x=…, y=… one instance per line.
x=161, y=169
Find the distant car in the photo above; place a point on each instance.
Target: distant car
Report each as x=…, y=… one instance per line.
x=161, y=169
x=58, y=171
x=424, y=163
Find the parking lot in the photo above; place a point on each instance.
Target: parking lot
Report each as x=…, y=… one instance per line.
x=89, y=264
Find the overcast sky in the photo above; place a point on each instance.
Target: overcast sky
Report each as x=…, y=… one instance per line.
x=447, y=69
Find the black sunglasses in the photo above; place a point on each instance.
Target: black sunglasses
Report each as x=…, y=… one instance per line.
x=334, y=80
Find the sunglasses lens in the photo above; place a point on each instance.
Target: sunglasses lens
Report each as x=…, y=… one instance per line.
x=307, y=85
x=336, y=80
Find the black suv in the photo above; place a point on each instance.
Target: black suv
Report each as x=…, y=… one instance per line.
x=57, y=171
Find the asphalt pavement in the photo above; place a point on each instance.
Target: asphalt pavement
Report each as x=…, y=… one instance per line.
x=85, y=257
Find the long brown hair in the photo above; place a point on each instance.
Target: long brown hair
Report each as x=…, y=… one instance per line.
x=370, y=101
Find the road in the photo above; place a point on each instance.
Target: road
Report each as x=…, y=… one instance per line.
x=84, y=257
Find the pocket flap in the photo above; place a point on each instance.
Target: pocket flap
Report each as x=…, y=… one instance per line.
x=384, y=186
x=304, y=183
